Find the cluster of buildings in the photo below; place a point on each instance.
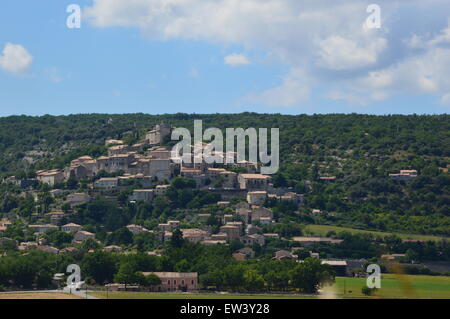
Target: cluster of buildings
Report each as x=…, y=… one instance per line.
x=148, y=162
x=230, y=231
x=156, y=164
x=404, y=175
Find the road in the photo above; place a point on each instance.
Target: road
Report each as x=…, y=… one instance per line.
x=80, y=293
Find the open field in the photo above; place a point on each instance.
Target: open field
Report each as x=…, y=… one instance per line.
x=155, y=295
x=395, y=286
x=392, y=286
x=322, y=230
x=37, y=295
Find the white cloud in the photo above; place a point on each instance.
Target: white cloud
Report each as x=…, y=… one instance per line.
x=236, y=59
x=338, y=53
x=326, y=42
x=443, y=37
x=348, y=97
x=15, y=58
x=291, y=92
x=425, y=73
x=446, y=99
x=428, y=41
x=54, y=75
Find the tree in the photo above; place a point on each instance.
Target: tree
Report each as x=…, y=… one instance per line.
x=368, y=291
x=145, y=241
x=253, y=281
x=234, y=277
x=182, y=266
x=278, y=280
x=411, y=256
x=177, y=240
x=310, y=275
x=72, y=183
x=127, y=275
x=152, y=280
x=101, y=266
x=122, y=236
x=89, y=244
x=58, y=238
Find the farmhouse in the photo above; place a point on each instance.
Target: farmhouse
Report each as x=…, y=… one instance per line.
x=253, y=181
x=137, y=229
x=71, y=228
x=81, y=236
x=339, y=266
x=176, y=281
x=50, y=177
x=157, y=135
x=256, y=198
x=107, y=183
x=42, y=228
x=77, y=199
x=145, y=195
x=194, y=235
x=308, y=241
x=233, y=232
x=404, y=175
x=284, y=254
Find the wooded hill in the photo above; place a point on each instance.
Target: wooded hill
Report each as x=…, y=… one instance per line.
x=360, y=150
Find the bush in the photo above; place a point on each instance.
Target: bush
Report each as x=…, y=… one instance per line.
x=368, y=291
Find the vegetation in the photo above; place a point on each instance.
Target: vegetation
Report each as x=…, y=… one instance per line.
x=215, y=266
x=360, y=150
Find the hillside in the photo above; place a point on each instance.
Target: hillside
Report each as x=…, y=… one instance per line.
x=359, y=150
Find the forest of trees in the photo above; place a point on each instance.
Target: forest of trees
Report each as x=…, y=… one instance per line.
x=214, y=264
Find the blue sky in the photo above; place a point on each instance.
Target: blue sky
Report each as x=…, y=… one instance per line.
x=275, y=56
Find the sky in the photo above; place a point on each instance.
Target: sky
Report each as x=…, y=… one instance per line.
x=225, y=56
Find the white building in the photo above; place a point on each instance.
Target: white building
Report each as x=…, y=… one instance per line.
x=78, y=199
x=50, y=177
x=256, y=197
x=107, y=183
x=71, y=228
x=145, y=195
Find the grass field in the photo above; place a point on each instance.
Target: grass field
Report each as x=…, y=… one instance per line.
x=37, y=295
x=392, y=286
x=322, y=230
x=155, y=295
x=395, y=286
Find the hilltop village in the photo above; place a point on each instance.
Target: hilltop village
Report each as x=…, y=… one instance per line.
x=145, y=171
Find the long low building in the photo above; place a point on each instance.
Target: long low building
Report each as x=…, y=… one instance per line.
x=176, y=281
x=339, y=266
x=316, y=240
